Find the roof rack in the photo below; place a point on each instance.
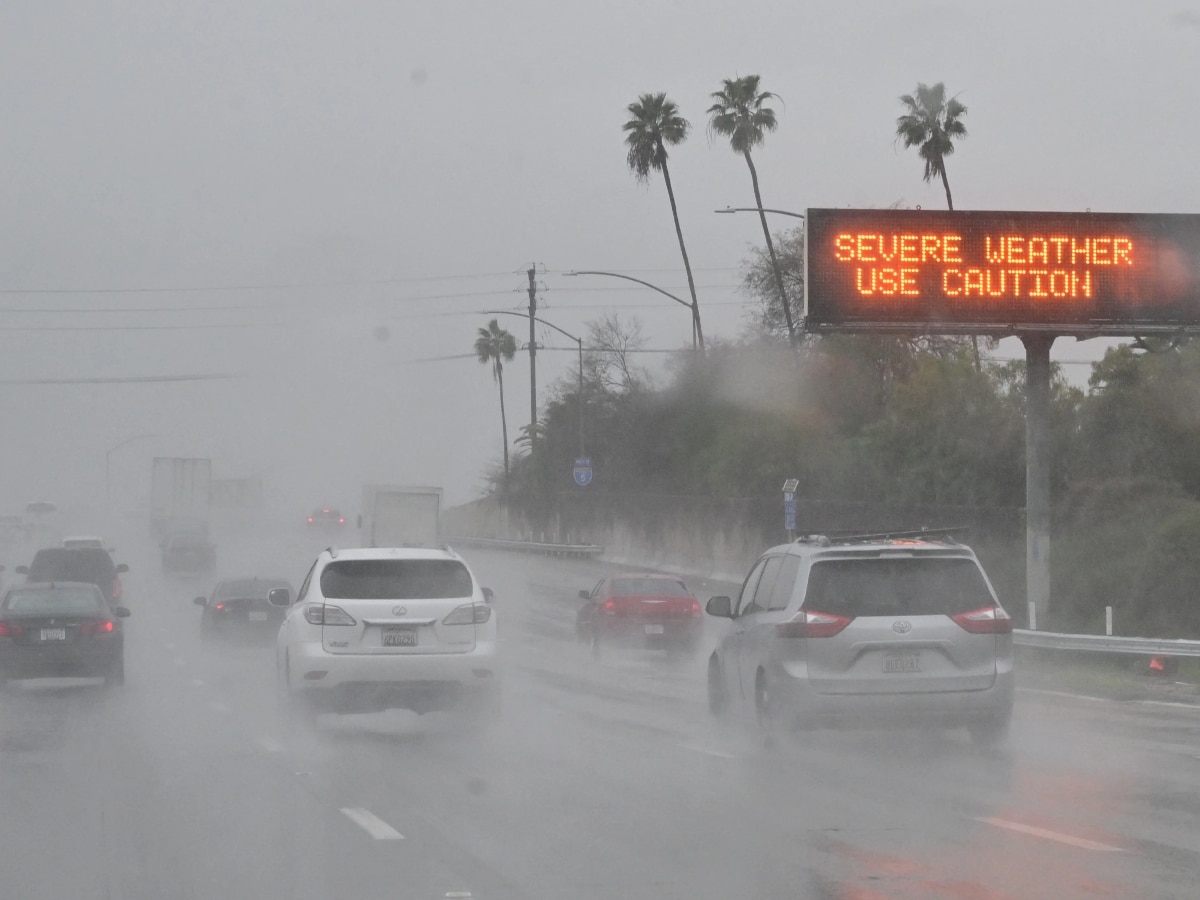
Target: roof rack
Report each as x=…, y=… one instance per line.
x=946, y=534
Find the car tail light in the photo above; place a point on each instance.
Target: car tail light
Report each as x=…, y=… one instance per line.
x=811, y=624
x=610, y=607
x=103, y=626
x=10, y=629
x=986, y=620
x=696, y=610
x=310, y=520
x=324, y=614
x=341, y=520
x=469, y=614
x=220, y=606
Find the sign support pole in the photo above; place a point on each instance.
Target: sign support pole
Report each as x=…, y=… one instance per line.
x=1037, y=471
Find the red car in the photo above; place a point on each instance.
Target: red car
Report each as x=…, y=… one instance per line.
x=640, y=610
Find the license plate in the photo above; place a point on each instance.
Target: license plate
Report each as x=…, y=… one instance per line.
x=258, y=615
x=54, y=634
x=654, y=629
x=399, y=637
x=907, y=662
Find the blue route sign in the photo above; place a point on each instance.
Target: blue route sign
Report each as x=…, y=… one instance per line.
x=583, y=471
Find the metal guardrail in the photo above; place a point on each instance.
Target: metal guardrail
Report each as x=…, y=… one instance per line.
x=1047, y=640
x=543, y=548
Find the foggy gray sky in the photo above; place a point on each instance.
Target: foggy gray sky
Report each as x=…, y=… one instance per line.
x=296, y=174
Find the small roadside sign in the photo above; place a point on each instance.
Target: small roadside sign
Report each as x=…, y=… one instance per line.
x=582, y=471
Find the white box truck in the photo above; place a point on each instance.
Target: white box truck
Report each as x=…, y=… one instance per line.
x=400, y=516
x=180, y=493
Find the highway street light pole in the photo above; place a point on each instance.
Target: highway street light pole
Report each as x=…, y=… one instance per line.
x=577, y=340
x=697, y=335
x=783, y=298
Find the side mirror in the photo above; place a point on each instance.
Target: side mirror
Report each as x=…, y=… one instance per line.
x=200, y=601
x=121, y=612
x=22, y=570
x=585, y=595
x=488, y=595
x=279, y=597
x=122, y=569
x=721, y=607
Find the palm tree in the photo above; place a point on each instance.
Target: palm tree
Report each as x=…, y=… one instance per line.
x=740, y=114
x=932, y=123
x=497, y=346
x=654, y=122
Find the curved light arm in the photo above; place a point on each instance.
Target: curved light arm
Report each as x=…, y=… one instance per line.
x=509, y=312
x=652, y=287
x=781, y=212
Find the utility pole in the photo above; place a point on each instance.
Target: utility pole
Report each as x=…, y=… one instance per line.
x=532, y=360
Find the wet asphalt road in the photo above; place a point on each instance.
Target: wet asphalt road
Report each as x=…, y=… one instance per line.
x=604, y=778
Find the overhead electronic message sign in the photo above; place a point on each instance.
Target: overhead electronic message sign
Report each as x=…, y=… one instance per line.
x=1002, y=272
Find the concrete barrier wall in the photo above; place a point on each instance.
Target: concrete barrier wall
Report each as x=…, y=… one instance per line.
x=714, y=543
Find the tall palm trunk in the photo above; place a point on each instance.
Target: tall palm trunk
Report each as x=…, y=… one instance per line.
x=503, y=424
x=950, y=205
x=698, y=332
x=946, y=185
x=762, y=217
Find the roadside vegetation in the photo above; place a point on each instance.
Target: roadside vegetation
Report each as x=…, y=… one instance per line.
x=881, y=432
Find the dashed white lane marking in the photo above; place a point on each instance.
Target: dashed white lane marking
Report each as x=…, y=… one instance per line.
x=708, y=751
x=1070, y=840
x=372, y=824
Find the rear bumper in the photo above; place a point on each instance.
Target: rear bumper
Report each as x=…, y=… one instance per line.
x=647, y=632
x=796, y=698
x=58, y=662
x=369, y=682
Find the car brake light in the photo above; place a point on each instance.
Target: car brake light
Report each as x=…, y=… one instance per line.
x=610, y=607
x=310, y=520
x=220, y=606
x=696, y=611
x=810, y=624
x=104, y=626
x=469, y=614
x=8, y=629
x=324, y=614
x=986, y=620
x=341, y=520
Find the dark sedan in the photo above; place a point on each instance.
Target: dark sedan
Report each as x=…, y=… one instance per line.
x=238, y=606
x=188, y=552
x=61, y=630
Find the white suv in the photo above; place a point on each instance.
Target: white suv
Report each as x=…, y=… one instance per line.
x=380, y=628
x=866, y=631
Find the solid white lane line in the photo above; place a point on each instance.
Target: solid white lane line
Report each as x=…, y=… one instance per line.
x=1070, y=840
x=372, y=824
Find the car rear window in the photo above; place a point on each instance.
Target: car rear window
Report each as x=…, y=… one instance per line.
x=60, y=601
x=657, y=587
x=897, y=587
x=396, y=579
x=78, y=564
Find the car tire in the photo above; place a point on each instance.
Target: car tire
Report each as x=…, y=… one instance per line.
x=765, y=712
x=718, y=699
x=115, y=676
